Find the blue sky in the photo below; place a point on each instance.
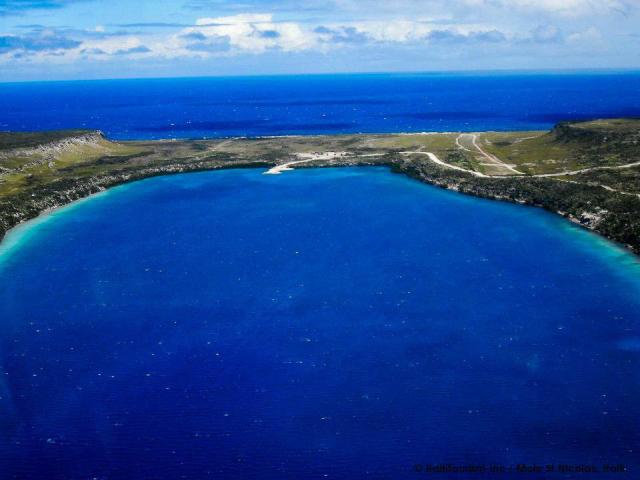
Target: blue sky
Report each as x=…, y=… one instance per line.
x=86, y=39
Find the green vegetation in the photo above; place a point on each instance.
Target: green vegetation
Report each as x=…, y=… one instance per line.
x=623, y=179
x=530, y=152
x=10, y=140
x=40, y=158
x=569, y=146
x=586, y=171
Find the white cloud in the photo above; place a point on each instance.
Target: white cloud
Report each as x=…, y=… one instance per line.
x=242, y=18
x=452, y=9
x=546, y=34
x=590, y=36
x=112, y=45
x=252, y=33
x=258, y=33
x=569, y=7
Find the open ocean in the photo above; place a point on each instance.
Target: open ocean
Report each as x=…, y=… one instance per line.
x=343, y=323
x=320, y=104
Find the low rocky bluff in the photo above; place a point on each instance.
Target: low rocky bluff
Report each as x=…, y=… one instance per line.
x=54, y=148
x=600, y=133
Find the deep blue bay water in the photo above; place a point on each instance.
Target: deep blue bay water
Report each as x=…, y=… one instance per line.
x=318, y=104
x=336, y=323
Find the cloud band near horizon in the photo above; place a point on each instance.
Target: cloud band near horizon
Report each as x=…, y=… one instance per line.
x=482, y=33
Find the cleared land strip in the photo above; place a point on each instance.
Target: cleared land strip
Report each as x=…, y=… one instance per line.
x=470, y=139
x=469, y=143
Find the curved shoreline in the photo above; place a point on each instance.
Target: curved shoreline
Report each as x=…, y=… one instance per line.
x=95, y=185
x=394, y=167
x=600, y=197
x=13, y=236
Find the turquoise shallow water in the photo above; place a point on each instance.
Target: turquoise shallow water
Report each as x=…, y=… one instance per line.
x=337, y=323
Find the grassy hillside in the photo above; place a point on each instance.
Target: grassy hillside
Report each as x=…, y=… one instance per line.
x=11, y=140
x=37, y=158
x=569, y=146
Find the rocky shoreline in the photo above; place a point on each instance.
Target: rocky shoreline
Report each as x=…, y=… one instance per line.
x=606, y=213
x=541, y=193
x=32, y=204
x=609, y=214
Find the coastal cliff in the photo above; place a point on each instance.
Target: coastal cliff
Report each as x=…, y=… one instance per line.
x=616, y=133
x=19, y=145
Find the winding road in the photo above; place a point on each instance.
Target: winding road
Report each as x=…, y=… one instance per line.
x=553, y=176
x=469, y=143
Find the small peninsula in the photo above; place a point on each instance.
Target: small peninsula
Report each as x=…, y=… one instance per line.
x=588, y=172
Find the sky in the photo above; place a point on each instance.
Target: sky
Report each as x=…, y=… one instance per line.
x=90, y=39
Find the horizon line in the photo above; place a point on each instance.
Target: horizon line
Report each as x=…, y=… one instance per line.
x=505, y=71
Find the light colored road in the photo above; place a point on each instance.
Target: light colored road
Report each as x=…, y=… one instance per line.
x=469, y=143
x=434, y=158
x=283, y=167
x=590, y=169
x=460, y=146
x=606, y=187
x=471, y=140
x=305, y=158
